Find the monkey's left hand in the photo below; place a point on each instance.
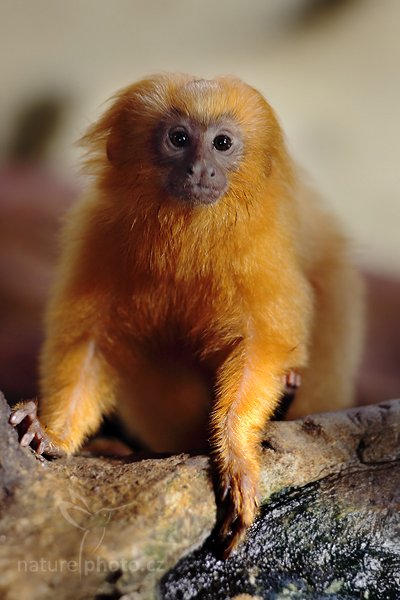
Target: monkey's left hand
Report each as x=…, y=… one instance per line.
x=30, y=431
x=238, y=505
x=292, y=382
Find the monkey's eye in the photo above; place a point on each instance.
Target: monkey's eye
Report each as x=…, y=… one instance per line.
x=222, y=143
x=179, y=138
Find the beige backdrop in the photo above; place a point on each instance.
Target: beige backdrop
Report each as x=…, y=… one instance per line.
x=333, y=78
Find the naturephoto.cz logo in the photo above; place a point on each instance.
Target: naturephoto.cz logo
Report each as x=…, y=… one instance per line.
x=93, y=525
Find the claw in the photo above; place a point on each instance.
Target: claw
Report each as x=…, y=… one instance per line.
x=224, y=493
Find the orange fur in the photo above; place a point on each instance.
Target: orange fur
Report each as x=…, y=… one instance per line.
x=168, y=313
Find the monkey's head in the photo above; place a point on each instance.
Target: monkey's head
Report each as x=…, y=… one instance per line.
x=187, y=140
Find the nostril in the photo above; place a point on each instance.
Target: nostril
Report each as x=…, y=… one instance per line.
x=190, y=170
x=212, y=173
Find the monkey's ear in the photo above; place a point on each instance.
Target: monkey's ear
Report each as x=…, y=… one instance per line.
x=103, y=138
x=113, y=147
x=106, y=134
x=117, y=136
x=116, y=145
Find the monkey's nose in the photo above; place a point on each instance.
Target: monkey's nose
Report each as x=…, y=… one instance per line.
x=201, y=171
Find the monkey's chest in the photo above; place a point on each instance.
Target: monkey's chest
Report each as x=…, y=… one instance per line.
x=165, y=402
x=189, y=316
x=173, y=341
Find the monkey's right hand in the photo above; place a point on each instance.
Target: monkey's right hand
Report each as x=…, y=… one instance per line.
x=30, y=431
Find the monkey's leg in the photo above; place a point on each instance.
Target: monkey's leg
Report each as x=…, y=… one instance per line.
x=77, y=392
x=250, y=385
x=336, y=340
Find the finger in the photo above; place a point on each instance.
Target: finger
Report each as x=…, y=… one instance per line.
x=291, y=379
x=41, y=446
x=29, y=409
x=27, y=438
x=18, y=416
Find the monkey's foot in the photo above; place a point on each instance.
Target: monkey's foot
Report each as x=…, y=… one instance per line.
x=30, y=432
x=292, y=382
x=238, y=507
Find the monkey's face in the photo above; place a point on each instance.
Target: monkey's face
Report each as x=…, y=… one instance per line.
x=192, y=141
x=196, y=159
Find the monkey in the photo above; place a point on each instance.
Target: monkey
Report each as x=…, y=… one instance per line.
x=199, y=273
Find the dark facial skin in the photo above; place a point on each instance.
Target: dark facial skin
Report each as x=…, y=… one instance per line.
x=196, y=160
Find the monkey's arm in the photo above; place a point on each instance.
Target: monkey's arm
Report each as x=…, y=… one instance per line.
x=77, y=384
x=328, y=381
x=250, y=385
x=77, y=388
x=337, y=327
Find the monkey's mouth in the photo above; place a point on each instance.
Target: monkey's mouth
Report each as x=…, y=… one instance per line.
x=198, y=193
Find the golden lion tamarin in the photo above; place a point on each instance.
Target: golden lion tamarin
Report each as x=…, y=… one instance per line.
x=197, y=273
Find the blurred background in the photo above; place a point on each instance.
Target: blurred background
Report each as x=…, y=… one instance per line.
x=330, y=68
